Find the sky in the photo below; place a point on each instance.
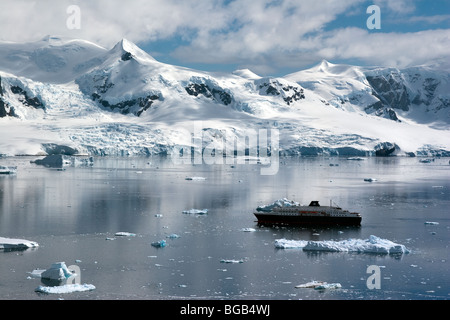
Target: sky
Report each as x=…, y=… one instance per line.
x=269, y=37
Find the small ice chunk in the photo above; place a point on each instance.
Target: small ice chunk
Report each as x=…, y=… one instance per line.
x=196, y=178
x=173, y=236
x=159, y=244
x=248, y=229
x=328, y=286
x=68, y=288
x=125, y=234
x=370, y=179
x=196, y=211
x=231, y=261
x=312, y=284
x=431, y=223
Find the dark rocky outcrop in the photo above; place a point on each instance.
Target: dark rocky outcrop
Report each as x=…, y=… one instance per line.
x=274, y=88
x=391, y=90
x=60, y=161
x=25, y=98
x=5, y=109
x=57, y=149
x=218, y=95
x=386, y=149
x=135, y=106
x=127, y=56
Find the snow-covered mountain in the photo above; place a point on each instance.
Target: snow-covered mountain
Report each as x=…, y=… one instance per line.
x=74, y=95
x=420, y=94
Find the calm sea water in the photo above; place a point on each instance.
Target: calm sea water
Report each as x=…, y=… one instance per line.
x=74, y=215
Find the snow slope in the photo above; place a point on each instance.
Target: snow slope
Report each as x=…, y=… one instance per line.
x=124, y=102
x=416, y=94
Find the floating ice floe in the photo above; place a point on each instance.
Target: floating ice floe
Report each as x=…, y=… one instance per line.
x=320, y=285
x=125, y=234
x=248, y=229
x=311, y=284
x=196, y=211
x=290, y=244
x=195, y=178
x=68, y=288
x=231, y=261
x=278, y=203
x=431, y=223
x=326, y=286
x=16, y=244
x=372, y=245
x=173, y=236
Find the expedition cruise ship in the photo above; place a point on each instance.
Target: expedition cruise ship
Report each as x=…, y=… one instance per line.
x=314, y=214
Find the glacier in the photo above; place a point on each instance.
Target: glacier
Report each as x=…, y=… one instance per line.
x=71, y=94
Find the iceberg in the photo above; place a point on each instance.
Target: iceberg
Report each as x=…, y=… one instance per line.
x=16, y=244
x=68, y=288
x=372, y=245
x=58, y=271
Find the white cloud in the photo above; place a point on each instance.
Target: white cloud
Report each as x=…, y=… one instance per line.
x=391, y=49
x=107, y=21
x=263, y=34
x=436, y=19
